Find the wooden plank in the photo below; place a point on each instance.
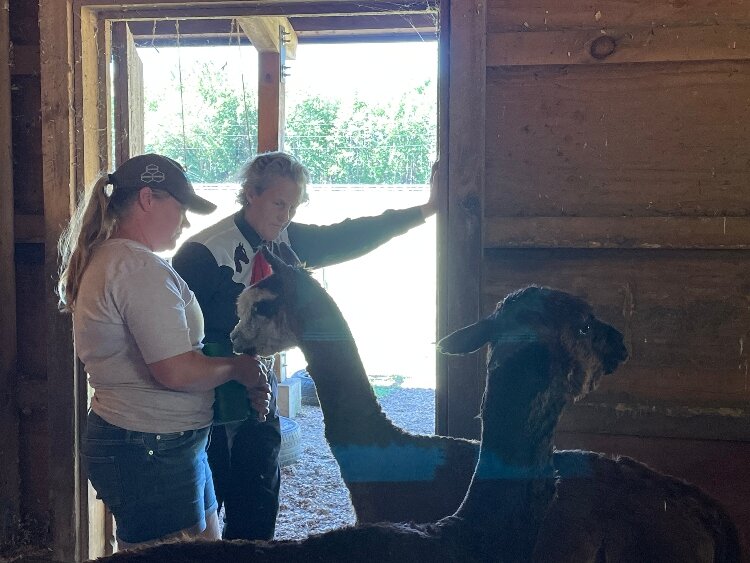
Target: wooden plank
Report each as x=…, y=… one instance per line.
x=683, y=313
x=92, y=145
x=24, y=59
x=27, y=132
x=56, y=54
x=623, y=45
x=127, y=93
x=145, y=9
x=264, y=34
x=657, y=419
x=28, y=228
x=605, y=141
x=460, y=380
x=536, y=15
x=424, y=23
x=221, y=29
x=270, y=102
x=10, y=478
x=617, y=232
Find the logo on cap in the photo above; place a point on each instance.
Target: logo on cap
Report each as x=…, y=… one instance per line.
x=152, y=174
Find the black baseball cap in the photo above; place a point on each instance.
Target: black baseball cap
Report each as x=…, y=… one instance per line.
x=161, y=173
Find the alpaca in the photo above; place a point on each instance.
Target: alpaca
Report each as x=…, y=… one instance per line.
x=291, y=308
x=391, y=475
x=552, y=351
x=613, y=510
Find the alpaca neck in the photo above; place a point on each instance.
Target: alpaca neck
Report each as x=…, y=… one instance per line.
x=514, y=479
x=351, y=411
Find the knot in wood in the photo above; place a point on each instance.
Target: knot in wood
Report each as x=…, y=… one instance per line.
x=602, y=47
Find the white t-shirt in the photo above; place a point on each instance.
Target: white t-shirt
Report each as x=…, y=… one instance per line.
x=133, y=309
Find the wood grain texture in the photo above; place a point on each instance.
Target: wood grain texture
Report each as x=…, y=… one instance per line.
x=617, y=232
x=56, y=51
x=127, y=85
x=460, y=380
x=684, y=315
x=10, y=478
x=628, y=45
x=619, y=140
x=519, y=15
x=270, y=102
x=263, y=32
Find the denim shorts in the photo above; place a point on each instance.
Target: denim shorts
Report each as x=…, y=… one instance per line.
x=154, y=484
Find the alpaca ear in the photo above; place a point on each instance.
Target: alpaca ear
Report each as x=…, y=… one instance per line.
x=277, y=265
x=468, y=339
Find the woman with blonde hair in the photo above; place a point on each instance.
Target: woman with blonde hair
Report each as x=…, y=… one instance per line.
x=218, y=263
x=138, y=329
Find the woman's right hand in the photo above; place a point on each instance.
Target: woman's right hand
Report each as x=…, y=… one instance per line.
x=253, y=374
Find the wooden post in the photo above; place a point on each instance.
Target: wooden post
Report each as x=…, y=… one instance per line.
x=56, y=63
x=128, y=94
x=10, y=483
x=270, y=102
x=92, y=150
x=460, y=380
x=264, y=33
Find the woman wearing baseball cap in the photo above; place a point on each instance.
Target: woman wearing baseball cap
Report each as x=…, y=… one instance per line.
x=138, y=329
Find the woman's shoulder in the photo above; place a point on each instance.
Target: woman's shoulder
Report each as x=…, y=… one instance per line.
x=124, y=257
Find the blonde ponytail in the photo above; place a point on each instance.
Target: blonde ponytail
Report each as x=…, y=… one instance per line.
x=92, y=223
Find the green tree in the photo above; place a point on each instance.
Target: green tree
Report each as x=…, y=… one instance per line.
x=340, y=142
x=220, y=126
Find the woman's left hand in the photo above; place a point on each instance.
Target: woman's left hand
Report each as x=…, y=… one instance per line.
x=430, y=207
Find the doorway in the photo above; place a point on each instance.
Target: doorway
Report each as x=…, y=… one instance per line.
x=366, y=128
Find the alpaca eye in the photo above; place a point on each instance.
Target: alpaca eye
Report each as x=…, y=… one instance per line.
x=266, y=308
x=585, y=329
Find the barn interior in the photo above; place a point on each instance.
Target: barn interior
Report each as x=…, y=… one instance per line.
x=602, y=148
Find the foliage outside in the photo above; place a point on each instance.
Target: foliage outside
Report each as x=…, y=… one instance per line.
x=341, y=141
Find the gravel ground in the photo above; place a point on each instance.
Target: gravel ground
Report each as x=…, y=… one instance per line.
x=314, y=498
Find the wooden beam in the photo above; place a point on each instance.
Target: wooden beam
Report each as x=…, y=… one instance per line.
x=24, y=59
x=10, y=480
x=127, y=94
x=354, y=23
x=28, y=228
x=270, y=103
x=460, y=380
x=264, y=33
x=541, y=15
x=617, y=232
x=56, y=55
x=149, y=10
x=92, y=147
x=621, y=45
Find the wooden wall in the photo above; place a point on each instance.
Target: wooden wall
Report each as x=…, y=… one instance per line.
x=617, y=161
x=26, y=496
x=602, y=149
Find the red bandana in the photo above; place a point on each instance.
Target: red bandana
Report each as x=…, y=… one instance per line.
x=261, y=268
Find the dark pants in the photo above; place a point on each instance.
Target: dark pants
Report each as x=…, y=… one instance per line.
x=247, y=475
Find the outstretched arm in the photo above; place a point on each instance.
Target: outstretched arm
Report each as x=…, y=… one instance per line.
x=319, y=246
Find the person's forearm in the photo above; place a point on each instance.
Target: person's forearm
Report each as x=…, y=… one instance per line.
x=192, y=371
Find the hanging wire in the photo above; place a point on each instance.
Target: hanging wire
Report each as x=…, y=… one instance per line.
x=236, y=30
x=182, y=99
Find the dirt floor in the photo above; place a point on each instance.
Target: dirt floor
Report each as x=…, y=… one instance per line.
x=313, y=496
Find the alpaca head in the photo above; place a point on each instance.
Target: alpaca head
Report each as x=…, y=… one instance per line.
x=545, y=325
x=280, y=311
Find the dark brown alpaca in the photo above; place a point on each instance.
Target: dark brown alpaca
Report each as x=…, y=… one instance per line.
x=604, y=510
x=542, y=359
x=392, y=475
x=302, y=313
